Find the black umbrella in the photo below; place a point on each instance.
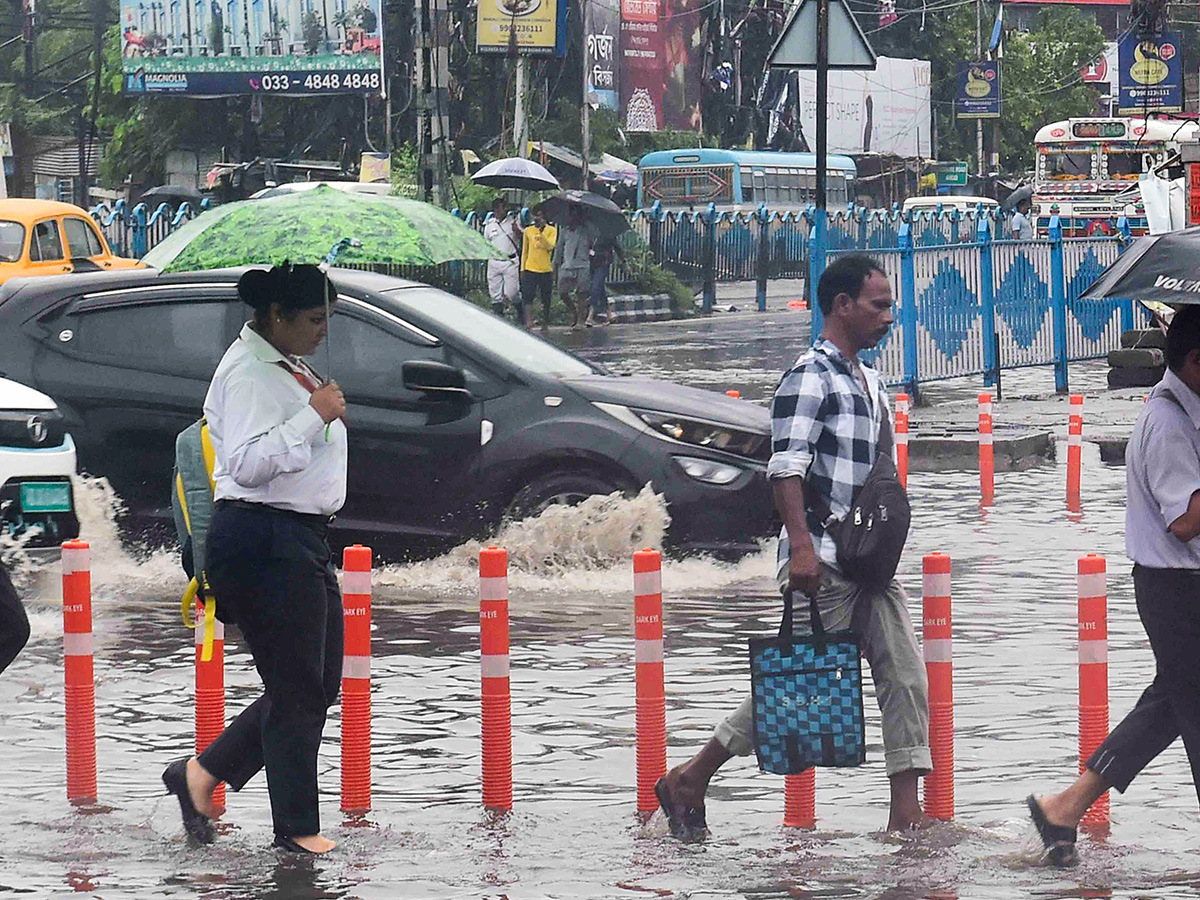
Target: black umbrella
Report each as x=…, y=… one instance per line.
x=604, y=215
x=173, y=194
x=1024, y=192
x=1162, y=268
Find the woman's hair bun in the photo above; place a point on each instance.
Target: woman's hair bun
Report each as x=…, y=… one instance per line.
x=292, y=287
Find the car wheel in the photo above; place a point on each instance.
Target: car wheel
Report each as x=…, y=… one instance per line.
x=556, y=489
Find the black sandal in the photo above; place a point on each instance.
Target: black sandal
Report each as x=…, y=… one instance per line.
x=1059, y=840
x=198, y=826
x=686, y=822
x=283, y=842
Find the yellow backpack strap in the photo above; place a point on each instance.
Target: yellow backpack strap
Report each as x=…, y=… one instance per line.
x=189, y=597
x=210, y=457
x=210, y=627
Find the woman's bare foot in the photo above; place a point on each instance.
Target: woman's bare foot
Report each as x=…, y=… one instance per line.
x=200, y=788
x=314, y=843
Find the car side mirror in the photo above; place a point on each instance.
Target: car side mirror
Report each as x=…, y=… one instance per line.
x=428, y=376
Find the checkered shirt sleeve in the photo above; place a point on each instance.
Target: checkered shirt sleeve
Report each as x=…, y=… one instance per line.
x=796, y=419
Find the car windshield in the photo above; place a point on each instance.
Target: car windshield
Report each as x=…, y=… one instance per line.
x=12, y=241
x=516, y=345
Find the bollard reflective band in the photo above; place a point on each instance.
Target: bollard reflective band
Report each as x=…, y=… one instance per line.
x=354, y=582
x=935, y=584
x=218, y=631
x=648, y=651
x=76, y=559
x=493, y=665
x=1092, y=584
x=1093, y=651
x=939, y=651
x=356, y=667
x=77, y=643
x=493, y=588
x=985, y=439
x=646, y=583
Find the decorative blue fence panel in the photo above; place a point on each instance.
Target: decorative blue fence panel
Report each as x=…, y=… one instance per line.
x=1094, y=326
x=1021, y=275
x=949, y=324
x=888, y=355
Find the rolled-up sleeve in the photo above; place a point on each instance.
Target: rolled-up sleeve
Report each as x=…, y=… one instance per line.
x=796, y=422
x=256, y=451
x=1172, y=466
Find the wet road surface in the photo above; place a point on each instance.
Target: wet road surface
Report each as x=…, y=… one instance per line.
x=573, y=832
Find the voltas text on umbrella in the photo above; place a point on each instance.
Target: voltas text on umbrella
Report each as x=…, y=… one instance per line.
x=1177, y=284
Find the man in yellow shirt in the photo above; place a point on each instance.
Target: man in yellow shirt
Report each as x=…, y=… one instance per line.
x=537, y=276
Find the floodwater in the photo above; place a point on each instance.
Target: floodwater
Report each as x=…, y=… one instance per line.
x=573, y=832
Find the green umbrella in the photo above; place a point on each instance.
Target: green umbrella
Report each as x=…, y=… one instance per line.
x=301, y=227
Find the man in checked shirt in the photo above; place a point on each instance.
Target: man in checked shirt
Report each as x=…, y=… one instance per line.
x=825, y=420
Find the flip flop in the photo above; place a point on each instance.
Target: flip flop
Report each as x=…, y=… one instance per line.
x=686, y=822
x=1059, y=840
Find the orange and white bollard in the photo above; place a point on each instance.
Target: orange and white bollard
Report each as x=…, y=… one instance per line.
x=734, y=393
x=493, y=662
x=902, y=438
x=79, y=675
x=939, y=667
x=987, y=463
x=356, y=679
x=800, y=800
x=210, y=692
x=648, y=656
x=1093, y=673
x=1074, y=450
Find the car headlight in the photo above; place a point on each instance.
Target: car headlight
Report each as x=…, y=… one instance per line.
x=710, y=435
x=708, y=470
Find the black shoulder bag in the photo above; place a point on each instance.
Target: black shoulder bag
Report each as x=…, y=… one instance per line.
x=870, y=539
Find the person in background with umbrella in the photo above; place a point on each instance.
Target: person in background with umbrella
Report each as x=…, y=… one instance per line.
x=280, y=475
x=1022, y=224
x=572, y=261
x=537, y=276
x=604, y=247
x=504, y=233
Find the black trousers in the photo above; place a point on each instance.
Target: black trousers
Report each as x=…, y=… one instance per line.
x=14, y=624
x=1168, y=601
x=534, y=284
x=272, y=574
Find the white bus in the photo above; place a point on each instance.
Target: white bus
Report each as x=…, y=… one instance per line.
x=1084, y=164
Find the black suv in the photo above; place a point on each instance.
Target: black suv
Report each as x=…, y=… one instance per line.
x=456, y=418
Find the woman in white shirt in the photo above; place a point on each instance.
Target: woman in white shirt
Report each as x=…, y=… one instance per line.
x=280, y=474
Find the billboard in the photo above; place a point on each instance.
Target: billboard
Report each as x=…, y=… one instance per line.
x=978, y=95
x=884, y=111
x=684, y=28
x=643, y=77
x=539, y=26
x=603, y=35
x=1151, y=74
x=207, y=47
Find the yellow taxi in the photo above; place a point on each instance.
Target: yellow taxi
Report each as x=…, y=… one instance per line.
x=45, y=237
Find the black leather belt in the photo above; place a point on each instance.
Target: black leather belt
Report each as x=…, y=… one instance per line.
x=313, y=520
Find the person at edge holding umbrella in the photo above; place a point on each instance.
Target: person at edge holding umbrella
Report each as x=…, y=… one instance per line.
x=280, y=474
x=573, y=262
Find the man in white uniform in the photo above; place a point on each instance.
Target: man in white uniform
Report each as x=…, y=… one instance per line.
x=504, y=275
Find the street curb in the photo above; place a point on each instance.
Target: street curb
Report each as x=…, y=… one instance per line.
x=626, y=308
x=951, y=452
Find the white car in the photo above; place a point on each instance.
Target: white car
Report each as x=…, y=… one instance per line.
x=37, y=460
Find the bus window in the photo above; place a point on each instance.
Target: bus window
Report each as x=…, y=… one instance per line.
x=1127, y=165
x=808, y=183
x=748, y=186
x=1067, y=166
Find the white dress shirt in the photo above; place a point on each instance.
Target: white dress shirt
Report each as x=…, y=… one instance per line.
x=500, y=234
x=270, y=444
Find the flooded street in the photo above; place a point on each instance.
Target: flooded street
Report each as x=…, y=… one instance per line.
x=573, y=832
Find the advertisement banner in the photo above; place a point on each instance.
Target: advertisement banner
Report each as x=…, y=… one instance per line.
x=535, y=23
x=978, y=95
x=1151, y=75
x=884, y=111
x=642, y=66
x=210, y=47
x=603, y=33
x=684, y=25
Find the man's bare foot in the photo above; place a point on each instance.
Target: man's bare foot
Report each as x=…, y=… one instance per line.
x=200, y=788
x=314, y=843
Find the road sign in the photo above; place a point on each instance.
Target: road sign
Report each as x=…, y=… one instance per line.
x=797, y=45
x=951, y=174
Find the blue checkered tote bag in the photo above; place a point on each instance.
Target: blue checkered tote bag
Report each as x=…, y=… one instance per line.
x=807, y=692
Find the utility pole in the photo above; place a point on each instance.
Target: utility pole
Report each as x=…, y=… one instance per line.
x=431, y=77
x=822, y=99
x=979, y=163
x=520, y=113
x=585, y=108
x=29, y=35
